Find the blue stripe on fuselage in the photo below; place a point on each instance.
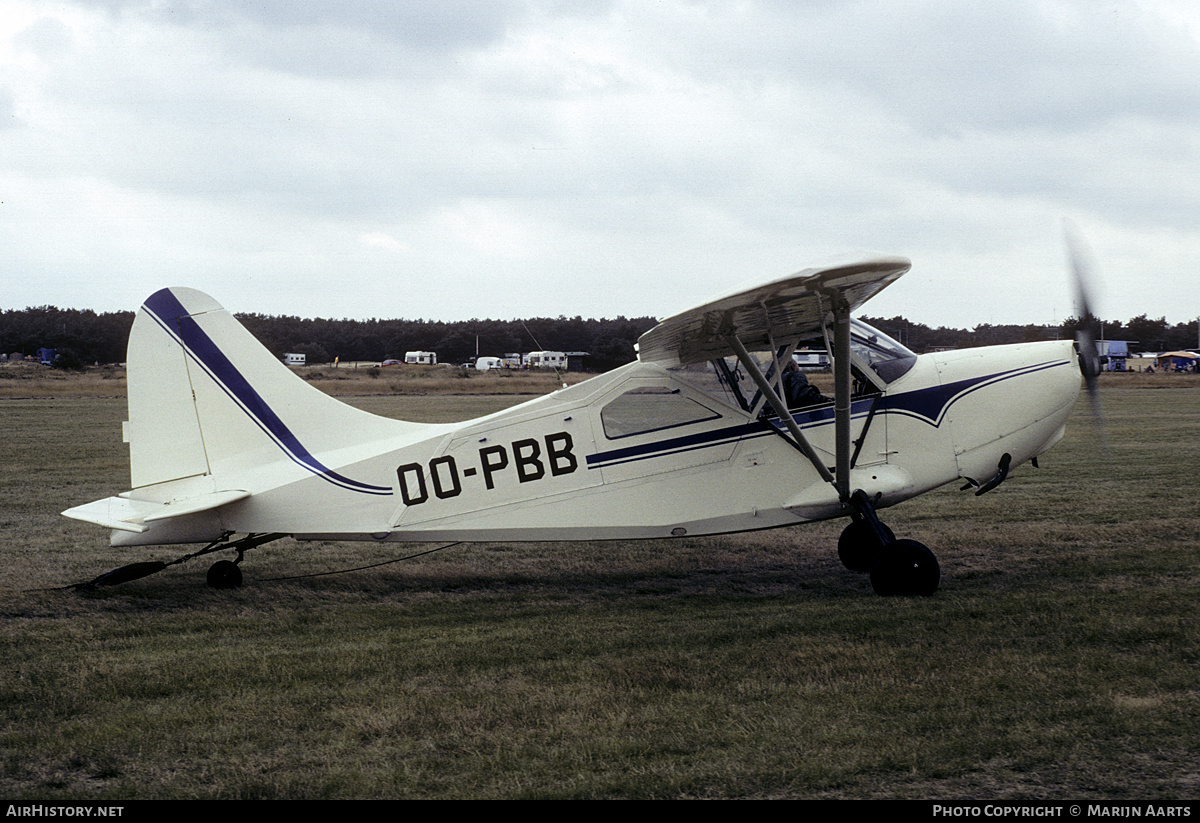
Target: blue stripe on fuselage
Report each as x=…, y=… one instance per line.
x=928, y=405
x=931, y=404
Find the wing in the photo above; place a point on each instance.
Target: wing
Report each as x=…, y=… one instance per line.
x=784, y=309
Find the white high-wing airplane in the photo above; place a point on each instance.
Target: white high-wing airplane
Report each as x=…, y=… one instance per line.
x=695, y=437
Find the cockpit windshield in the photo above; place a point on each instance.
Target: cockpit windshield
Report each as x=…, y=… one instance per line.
x=887, y=358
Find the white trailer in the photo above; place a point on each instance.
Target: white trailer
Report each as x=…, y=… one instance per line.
x=546, y=360
x=424, y=358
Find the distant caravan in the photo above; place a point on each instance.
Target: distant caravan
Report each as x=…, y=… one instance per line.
x=546, y=360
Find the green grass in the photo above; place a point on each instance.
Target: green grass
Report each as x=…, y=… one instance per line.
x=1059, y=659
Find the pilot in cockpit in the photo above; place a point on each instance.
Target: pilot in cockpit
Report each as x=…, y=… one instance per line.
x=797, y=391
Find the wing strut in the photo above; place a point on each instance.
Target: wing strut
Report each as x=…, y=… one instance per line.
x=841, y=396
x=781, y=409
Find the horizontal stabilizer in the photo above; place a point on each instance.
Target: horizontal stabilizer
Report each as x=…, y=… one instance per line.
x=191, y=505
x=123, y=514
x=112, y=513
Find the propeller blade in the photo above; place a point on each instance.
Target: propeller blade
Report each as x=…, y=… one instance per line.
x=1088, y=328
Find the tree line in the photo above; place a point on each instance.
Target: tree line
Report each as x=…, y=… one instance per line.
x=1142, y=333
x=84, y=336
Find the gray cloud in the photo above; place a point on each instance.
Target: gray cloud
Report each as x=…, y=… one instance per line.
x=667, y=150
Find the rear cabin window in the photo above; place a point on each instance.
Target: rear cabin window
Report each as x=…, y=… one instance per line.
x=649, y=409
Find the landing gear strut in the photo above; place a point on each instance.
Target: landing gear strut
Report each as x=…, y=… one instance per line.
x=225, y=574
x=859, y=547
x=897, y=567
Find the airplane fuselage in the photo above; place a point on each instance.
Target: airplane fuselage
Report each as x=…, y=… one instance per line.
x=550, y=469
x=696, y=437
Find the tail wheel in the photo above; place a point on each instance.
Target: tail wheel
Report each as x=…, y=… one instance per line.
x=906, y=568
x=224, y=574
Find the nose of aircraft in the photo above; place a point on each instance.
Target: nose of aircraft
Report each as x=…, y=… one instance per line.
x=1011, y=400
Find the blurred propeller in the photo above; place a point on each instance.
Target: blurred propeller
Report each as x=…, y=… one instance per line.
x=1088, y=328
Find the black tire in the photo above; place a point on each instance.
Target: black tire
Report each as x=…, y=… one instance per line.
x=906, y=568
x=858, y=548
x=224, y=574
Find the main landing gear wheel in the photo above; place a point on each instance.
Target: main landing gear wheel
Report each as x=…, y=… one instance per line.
x=224, y=574
x=858, y=547
x=906, y=568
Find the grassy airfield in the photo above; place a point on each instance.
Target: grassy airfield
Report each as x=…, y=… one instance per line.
x=1060, y=658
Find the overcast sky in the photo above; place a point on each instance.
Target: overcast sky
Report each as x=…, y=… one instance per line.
x=451, y=159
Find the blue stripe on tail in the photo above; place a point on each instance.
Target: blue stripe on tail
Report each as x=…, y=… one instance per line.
x=166, y=309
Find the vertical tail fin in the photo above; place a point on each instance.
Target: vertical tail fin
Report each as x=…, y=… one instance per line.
x=206, y=398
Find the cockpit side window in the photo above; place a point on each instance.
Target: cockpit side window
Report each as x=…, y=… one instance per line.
x=651, y=408
x=719, y=379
